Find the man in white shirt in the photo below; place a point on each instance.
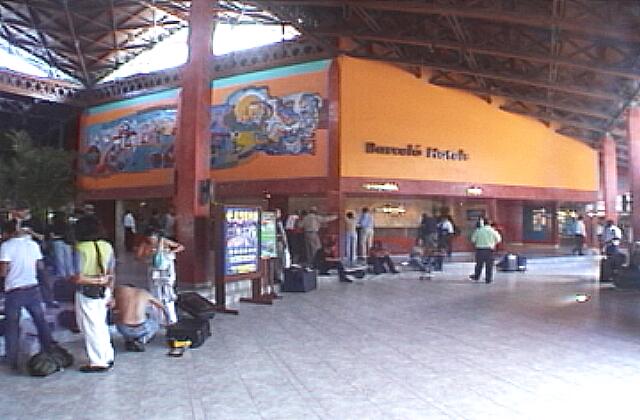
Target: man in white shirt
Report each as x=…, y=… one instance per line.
x=611, y=232
x=19, y=258
x=129, y=223
x=366, y=225
x=311, y=225
x=580, y=232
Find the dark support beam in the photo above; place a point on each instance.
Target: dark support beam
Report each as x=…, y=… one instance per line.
x=88, y=81
x=589, y=112
x=511, y=78
x=551, y=117
x=600, y=29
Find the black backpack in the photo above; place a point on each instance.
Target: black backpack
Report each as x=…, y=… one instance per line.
x=48, y=362
x=42, y=364
x=61, y=356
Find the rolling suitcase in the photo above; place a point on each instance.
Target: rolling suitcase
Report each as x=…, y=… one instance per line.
x=196, y=305
x=195, y=330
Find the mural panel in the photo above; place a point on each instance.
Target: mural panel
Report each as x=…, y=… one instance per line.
x=134, y=143
x=250, y=122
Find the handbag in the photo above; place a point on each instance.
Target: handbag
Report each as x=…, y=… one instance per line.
x=95, y=291
x=158, y=260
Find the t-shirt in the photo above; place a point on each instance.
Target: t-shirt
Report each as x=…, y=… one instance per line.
x=22, y=254
x=86, y=259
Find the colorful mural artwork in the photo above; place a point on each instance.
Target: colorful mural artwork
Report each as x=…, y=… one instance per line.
x=251, y=121
x=135, y=143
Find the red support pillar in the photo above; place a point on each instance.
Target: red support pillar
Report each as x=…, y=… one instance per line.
x=634, y=168
x=610, y=177
x=335, y=196
x=193, y=150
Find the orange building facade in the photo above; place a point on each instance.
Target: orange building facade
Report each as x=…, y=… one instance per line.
x=345, y=134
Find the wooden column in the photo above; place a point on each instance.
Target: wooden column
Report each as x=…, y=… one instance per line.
x=193, y=149
x=335, y=196
x=610, y=177
x=633, y=126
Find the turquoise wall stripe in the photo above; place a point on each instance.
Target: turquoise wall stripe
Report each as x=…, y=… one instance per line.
x=279, y=72
x=296, y=69
x=165, y=94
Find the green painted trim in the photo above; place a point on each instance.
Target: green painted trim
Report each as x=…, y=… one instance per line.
x=280, y=72
x=165, y=94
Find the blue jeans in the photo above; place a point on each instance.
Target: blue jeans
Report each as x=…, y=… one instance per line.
x=62, y=258
x=351, y=247
x=30, y=300
x=143, y=332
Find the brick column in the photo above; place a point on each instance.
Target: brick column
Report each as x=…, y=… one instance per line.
x=633, y=126
x=193, y=148
x=609, y=176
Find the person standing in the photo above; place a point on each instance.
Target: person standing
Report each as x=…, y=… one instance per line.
x=282, y=248
x=293, y=240
x=484, y=238
x=94, y=277
x=366, y=225
x=311, y=224
x=446, y=230
x=580, y=232
x=129, y=223
x=429, y=232
x=60, y=245
x=351, y=238
x=160, y=255
x=169, y=224
x=19, y=258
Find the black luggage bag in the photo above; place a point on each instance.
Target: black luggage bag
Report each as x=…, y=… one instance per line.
x=299, y=280
x=512, y=262
x=196, y=305
x=196, y=330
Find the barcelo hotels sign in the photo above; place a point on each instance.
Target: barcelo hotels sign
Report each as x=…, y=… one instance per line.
x=415, y=150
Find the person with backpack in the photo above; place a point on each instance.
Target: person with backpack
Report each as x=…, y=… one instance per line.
x=94, y=279
x=446, y=231
x=160, y=254
x=19, y=258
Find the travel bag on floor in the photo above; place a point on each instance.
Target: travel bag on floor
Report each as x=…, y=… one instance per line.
x=299, y=280
x=196, y=305
x=195, y=330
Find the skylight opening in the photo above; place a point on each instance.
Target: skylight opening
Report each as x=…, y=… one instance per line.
x=19, y=60
x=172, y=52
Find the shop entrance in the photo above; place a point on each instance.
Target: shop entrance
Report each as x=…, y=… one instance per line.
x=537, y=223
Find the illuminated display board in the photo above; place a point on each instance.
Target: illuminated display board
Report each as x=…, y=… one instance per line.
x=242, y=240
x=268, y=234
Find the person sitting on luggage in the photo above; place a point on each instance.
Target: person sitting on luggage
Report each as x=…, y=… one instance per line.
x=379, y=257
x=133, y=319
x=417, y=259
x=324, y=261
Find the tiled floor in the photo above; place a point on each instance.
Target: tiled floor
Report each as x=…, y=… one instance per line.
x=392, y=347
